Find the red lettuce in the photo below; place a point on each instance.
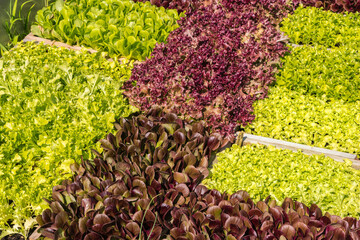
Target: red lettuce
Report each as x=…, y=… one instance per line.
x=333, y=5
x=146, y=185
x=213, y=68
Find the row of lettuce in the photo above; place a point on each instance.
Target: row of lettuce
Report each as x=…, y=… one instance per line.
x=56, y=105
x=116, y=27
x=147, y=185
x=315, y=99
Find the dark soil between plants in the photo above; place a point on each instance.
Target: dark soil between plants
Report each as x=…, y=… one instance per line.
x=14, y=237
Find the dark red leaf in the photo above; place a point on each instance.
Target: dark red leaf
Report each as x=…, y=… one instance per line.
x=179, y=137
x=288, y=231
x=101, y=219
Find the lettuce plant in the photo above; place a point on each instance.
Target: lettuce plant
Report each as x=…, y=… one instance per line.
x=220, y=60
x=317, y=71
x=126, y=193
x=212, y=215
x=315, y=121
x=55, y=104
x=264, y=171
x=152, y=159
x=163, y=138
x=310, y=25
x=120, y=27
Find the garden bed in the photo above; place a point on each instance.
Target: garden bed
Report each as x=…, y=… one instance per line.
x=206, y=73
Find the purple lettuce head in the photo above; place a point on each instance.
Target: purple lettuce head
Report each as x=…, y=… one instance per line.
x=212, y=68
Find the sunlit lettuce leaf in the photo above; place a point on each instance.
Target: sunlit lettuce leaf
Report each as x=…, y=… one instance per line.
x=55, y=104
x=264, y=171
x=317, y=71
x=120, y=27
x=315, y=121
x=312, y=25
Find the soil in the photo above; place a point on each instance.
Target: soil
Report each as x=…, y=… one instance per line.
x=13, y=237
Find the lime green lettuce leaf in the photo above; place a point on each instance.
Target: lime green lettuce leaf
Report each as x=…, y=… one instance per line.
x=315, y=121
x=118, y=27
x=264, y=171
x=315, y=100
x=314, y=26
x=317, y=71
x=55, y=105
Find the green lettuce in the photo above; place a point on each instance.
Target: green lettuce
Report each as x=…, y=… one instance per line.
x=315, y=26
x=55, y=105
x=317, y=71
x=316, y=121
x=266, y=170
x=118, y=27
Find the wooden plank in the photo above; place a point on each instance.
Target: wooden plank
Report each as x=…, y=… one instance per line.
x=35, y=235
x=32, y=38
x=336, y=155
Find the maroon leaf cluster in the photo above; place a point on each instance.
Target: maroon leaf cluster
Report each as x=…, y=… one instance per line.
x=212, y=215
x=213, y=67
x=334, y=5
x=275, y=10
x=146, y=185
x=115, y=195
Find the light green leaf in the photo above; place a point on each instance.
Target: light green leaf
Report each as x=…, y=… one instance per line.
x=59, y=4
